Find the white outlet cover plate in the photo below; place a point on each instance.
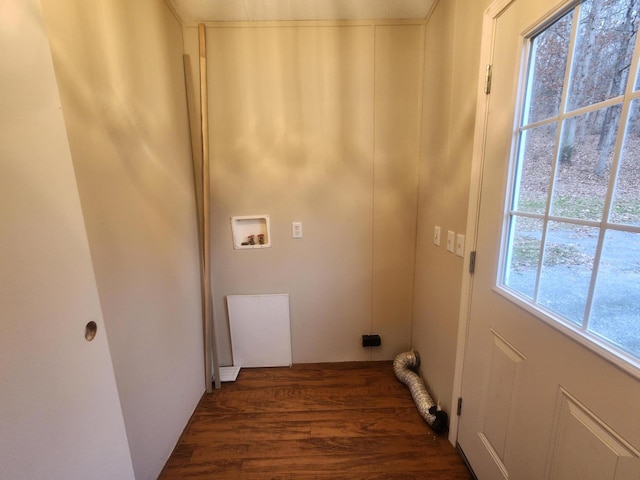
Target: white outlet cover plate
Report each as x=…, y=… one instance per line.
x=450, y=241
x=460, y=245
x=296, y=229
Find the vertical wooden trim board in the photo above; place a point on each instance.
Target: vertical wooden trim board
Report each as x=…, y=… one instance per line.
x=204, y=125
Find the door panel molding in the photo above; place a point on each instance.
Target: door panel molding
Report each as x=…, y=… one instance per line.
x=582, y=442
x=504, y=375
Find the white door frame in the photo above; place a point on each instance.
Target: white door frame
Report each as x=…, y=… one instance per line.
x=473, y=208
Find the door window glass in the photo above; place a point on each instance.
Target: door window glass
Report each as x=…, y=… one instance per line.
x=534, y=168
x=616, y=302
x=584, y=164
x=547, y=70
x=524, y=255
x=626, y=199
x=602, y=56
x=573, y=220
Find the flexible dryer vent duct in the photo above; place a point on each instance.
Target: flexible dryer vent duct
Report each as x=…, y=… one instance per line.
x=405, y=366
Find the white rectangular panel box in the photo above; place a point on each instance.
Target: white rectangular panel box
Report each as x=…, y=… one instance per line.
x=260, y=330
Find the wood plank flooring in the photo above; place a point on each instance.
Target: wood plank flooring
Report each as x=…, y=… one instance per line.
x=314, y=421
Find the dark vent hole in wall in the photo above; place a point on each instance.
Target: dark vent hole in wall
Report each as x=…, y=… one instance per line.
x=371, y=341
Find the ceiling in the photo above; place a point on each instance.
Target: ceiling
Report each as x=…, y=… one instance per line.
x=191, y=11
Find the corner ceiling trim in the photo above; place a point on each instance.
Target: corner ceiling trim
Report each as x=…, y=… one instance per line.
x=305, y=23
x=191, y=12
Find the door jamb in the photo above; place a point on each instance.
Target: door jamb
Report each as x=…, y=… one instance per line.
x=473, y=209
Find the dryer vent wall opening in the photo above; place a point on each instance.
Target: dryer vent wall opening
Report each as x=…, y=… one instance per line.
x=405, y=367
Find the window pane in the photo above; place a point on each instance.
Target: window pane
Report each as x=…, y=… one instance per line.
x=546, y=77
x=584, y=163
x=615, y=314
x=524, y=255
x=604, y=44
x=566, y=269
x=626, y=200
x=534, y=169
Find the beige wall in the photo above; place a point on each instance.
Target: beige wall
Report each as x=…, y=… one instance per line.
x=60, y=416
x=398, y=75
x=452, y=51
x=318, y=124
x=119, y=69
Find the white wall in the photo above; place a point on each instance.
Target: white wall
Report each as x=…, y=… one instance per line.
x=60, y=416
x=119, y=69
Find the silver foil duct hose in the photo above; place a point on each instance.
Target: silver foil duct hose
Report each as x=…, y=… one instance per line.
x=405, y=367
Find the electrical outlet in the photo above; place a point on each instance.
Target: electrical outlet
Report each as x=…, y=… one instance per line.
x=460, y=245
x=450, y=241
x=296, y=229
x=436, y=236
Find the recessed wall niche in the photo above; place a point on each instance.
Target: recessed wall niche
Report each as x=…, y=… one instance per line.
x=251, y=231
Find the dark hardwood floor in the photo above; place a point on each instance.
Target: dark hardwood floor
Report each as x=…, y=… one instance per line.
x=320, y=421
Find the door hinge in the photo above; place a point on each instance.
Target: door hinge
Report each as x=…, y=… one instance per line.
x=487, y=79
x=472, y=262
x=459, y=411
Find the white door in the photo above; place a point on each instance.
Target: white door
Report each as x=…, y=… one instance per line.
x=538, y=401
x=60, y=415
